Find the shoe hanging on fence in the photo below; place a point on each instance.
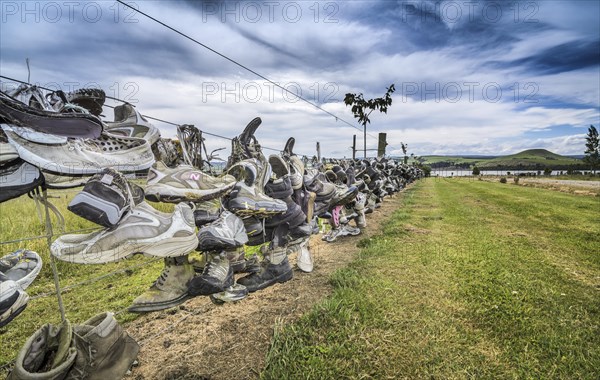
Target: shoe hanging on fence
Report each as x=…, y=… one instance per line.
x=142, y=230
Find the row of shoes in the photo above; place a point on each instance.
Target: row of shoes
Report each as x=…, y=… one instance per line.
x=273, y=202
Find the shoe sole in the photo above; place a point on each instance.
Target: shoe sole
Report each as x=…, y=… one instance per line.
x=169, y=194
x=149, y=307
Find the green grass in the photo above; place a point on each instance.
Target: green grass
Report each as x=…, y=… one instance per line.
x=86, y=295
x=468, y=279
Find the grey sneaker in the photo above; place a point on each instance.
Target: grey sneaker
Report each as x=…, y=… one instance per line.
x=13, y=300
x=226, y=232
x=21, y=266
x=104, y=349
x=142, y=230
x=185, y=184
x=47, y=355
x=129, y=122
x=169, y=289
x=216, y=277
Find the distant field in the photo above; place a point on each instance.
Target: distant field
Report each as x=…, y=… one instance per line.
x=469, y=279
x=532, y=158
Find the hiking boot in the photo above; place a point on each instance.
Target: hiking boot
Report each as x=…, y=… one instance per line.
x=269, y=274
x=226, y=232
x=207, y=212
x=17, y=178
x=48, y=354
x=275, y=268
x=299, y=234
x=296, y=172
x=142, y=230
x=169, y=289
x=104, y=349
x=233, y=293
x=13, y=300
x=215, y=278
x=21, y=266
x=185, y=184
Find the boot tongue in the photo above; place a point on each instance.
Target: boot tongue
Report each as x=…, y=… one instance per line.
x=65, y=338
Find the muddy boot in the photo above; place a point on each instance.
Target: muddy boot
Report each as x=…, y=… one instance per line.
x=47, y=354
x=104, y=349
x=215, y=278
x=169, y=290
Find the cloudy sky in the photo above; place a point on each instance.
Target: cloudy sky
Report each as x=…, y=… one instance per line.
x=471, y=77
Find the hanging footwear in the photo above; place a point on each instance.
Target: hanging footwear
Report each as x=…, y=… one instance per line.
x=76, y=125
x=216, y=277
x=13, y=300
x=129, y=122
x=21, y=266
x=185, y=184
x=142, y=230
x=224, y=233
x=17, y=178
x=169, y=289
x=275, y=267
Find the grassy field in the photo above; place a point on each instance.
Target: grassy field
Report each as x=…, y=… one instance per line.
x=469, y=279
x=525, y=159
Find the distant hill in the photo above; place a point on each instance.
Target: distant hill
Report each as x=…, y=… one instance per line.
x=527, y=159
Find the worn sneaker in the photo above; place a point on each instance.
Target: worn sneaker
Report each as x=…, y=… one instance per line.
x=71, y=157
x=13, y=300
x=216, y=277
x=304, y=260
x=226, y=232
x=142, y=230
x=17, y=178
x=130, y=123
x=233, y=293
x=170, y=288
x=21, y=266
x=76, y=125
x=185, y=184
x=248, y=200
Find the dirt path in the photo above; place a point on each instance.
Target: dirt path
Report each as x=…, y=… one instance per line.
x=200, y=340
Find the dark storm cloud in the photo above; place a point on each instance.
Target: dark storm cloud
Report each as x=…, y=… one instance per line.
x=558, y=59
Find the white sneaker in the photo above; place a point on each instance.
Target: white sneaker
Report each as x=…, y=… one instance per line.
x=68, y=156
x=142, y=230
